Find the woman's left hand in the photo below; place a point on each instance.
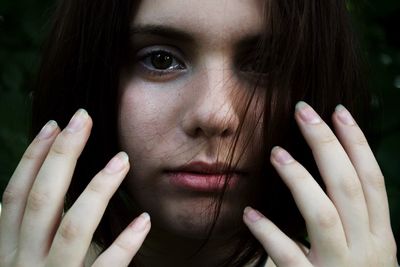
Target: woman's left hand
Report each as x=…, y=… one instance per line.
x=349, y=225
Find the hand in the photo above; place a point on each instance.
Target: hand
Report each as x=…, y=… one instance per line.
x=33, y=229
x=348, y=226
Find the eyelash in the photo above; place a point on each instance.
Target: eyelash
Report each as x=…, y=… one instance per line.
x=177, y=65
x=144, y=58
x=253, y=64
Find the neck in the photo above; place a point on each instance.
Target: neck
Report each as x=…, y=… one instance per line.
x=161, y=248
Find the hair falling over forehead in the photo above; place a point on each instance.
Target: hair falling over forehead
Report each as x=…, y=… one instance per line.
x=307, y=52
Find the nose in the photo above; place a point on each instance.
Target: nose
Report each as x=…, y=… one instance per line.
x=214, y=111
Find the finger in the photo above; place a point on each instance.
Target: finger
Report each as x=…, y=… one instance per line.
x=341, y=179
x=283, y=251
x=371, y=177
x=324, y=226
x=127, y=244
x=46, y=198
x=17, y=190
x=75, y=233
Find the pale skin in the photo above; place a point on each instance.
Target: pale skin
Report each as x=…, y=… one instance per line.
x=349, y=225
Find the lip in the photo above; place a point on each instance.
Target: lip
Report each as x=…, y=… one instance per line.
x=204, y=177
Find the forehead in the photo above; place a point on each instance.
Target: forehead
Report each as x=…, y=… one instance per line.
x=225, y=20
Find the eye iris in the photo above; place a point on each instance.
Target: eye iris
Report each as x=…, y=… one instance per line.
x=161, y=61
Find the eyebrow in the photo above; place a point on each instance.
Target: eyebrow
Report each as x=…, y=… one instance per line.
x=176, y=34
x=162, y=31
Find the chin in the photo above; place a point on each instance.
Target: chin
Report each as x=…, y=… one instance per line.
x=193, y=219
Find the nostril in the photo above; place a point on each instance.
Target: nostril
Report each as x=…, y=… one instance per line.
x=210, y=117
x=226, y=133
x=210, y=131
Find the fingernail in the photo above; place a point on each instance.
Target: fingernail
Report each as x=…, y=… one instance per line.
x=47, y=130
x=140, y=222
x=117, y=163
x=78, y=121
x=344, y=115
x=252, y=214
x=281, y=155
x=307, y=114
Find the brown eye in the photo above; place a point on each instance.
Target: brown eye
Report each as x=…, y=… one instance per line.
x=161, y=60
x=251, y=64
x=254, y=62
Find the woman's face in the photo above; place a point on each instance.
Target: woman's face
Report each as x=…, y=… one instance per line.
x=182, y=101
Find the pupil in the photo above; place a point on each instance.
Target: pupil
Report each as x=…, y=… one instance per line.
x=161, y=61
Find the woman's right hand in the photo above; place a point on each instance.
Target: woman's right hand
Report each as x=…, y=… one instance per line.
x=33, y=230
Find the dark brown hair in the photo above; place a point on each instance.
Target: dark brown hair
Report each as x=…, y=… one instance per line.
x=308, y=53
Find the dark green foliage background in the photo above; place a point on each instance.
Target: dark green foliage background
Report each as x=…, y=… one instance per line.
x=24, y=24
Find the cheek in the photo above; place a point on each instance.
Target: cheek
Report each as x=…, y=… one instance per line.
x=252, y=128
x=150, y=114
x=143, y=119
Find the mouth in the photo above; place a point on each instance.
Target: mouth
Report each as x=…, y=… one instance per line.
x=204, y=177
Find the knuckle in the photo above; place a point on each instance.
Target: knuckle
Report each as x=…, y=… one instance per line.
x=327, y=218
x=30, y=154
x=268, y=231
x=361, y=141
x=98, y=187
x=69, y=229
x=67, y=145
x=376, y=179
x=289, y=258
x=64, y=144
x=126, y=245
x=37, y=200
x=60, y=148
x=350, y=187
x=302, y=175
x=33, y=151
x=11, y=195
x=98, y=192
x=327, y=139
